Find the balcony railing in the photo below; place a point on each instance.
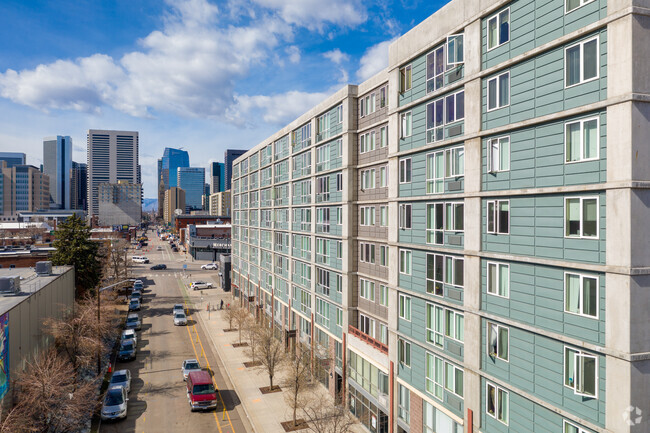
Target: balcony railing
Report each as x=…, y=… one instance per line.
x=368, y=339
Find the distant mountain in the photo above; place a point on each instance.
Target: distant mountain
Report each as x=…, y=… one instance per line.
x=149, y=204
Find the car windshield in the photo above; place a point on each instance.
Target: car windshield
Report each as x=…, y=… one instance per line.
x=131, y=319
x=128, y=345
x=180, y=315
x=113, y=398
x=192, y=366
x=120, y=378
x=203, y=389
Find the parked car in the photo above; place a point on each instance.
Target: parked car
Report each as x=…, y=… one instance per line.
x=137, y=295
x=158, y=267
x=178, y=308
x=140, y=259
x=133, y=321
x=115, y=403
x=189, y=365
x=121, y=378
x=200, y=285
x=200, y=391
x=210, y=267
x=158, y=248
x=138, y=285
x=127, y=351
x=134, y=304
x=129, y=334
x=180, y=319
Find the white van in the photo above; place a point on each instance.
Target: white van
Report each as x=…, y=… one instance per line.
x=140, y=259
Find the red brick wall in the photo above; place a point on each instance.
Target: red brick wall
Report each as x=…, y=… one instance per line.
x=416, y=413
x=21, y=261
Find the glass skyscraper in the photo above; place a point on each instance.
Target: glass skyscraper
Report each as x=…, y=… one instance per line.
x=57, y=163
x=172, y=160
x=192, y=181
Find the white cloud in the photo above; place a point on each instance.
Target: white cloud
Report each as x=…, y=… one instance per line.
x=294, y=54
x=277, y=109
x=313, y=14
x=189, y=68
x=336, y=56
x=373, y=60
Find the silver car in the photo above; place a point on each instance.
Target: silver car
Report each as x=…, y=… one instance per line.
x=133, y=321
x=115, y=403
x=178, y=308
x=180, y=319
x=189, y=365
x=121, y=378
x=129, y=334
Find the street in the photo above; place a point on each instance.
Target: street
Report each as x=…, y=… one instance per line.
x=158, y=401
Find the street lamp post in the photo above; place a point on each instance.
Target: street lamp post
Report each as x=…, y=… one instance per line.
x=99, y=291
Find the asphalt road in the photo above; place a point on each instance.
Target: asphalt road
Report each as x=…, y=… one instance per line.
x=158, y=401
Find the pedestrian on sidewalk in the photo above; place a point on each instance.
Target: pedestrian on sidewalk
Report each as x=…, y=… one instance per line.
x=221, y=305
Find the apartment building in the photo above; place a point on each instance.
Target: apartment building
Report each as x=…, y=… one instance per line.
x=488, y=268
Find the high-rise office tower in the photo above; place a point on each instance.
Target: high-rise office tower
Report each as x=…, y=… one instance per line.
x=229, y=156
x=112, y=156
x=217, y=178
x=23, y=188
x=57, y=164
x=13, y=158
x=120, y=203
x=173, y=159
x=160, y=186
x=192, y=181
x=467, y=231
x=79, y=186
x=174, y=199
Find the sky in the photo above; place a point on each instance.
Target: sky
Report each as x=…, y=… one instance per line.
x=204, y=75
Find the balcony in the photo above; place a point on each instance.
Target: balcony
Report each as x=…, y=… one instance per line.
x=368, y=339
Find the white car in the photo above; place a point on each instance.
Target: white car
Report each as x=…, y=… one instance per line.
x=199, y=285
x=129, y=334
x=178, y=308
x=189, y=365
x=121, y=378
x=210, y=267
x=180, y=319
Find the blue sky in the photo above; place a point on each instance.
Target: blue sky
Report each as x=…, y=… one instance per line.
x=205, y=75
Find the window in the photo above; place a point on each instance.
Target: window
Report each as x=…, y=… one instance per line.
x=455, y=217
x=323, y=281
x=383, y=295
x=581, y=295
x=407, y=124
x=581, y=372
x=443, y=270
x=453, y=379
x=435, y=172
x=436, y=69
x=339, y=113
x=498, y=152
x=367, y=290
x=339, y=317
x=581, y=217
x=575, y=4
x=339, y=181
x=404, y=403
x=570, y=428
x=499, y=91
x=367, y=215
x=323, y=188
x=581, y=140
x=498, y=341
x=498, y=28
x=368, y=179
x=498, y=279
x=454, y=325
x=383, y=255
x=404, y=352
x=405, y=307
x=497, y=401
x=339, y=249
x=383, y=177
x=581, y=62
x=405, y=79
x=435, y=325
x=455, y=49
x=339, y=283
x=383, y=136
x=435, y=223
x=405, y=262
x=455, y=161
x=455, y=107
x=383, y=100
x=323, y=312
x=434, y=375
x=405, y=170
x=498, y=217
x=367, y=253
x=383, y=216
x=405, y=216
x=367, y=325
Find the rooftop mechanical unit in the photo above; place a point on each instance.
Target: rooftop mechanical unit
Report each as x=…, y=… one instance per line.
x=9, y=285
x=43, y=268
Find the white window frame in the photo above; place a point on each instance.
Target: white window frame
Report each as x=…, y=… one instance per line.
x=383, y=211
x=496, y=143
x=498, y=266
x=495, y=355
x=577, y=353
x=581, y=235
x=495, y=214
x=407, y=84
x=452, y=41
x=567, y=423
x=497, y=80
x=404, y=352
x=497, y=17
x=582, y=140
x=370, y=256
x=405, y=164
x=408, y=261
x=582, y=60
x=383, y=176
x=404, y=307
x=489, y=385
x=582, y=3
x=383, y=295
x=405, y=216
x=383, y=255
x=383, y=136
x=438, y=387
x=367, y=289
x=367, y=215
x=581, y=302
x=437, y=179
x=339, y=317
x=406, y=124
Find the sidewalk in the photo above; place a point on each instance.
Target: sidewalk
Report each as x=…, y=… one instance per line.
x=265, y=411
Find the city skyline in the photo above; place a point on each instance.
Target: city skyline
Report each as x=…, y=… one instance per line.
x=315, y=49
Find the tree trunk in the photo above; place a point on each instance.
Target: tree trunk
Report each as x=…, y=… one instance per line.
x=271, y=381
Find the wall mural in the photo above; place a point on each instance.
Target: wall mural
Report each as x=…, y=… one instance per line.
x=4, y=354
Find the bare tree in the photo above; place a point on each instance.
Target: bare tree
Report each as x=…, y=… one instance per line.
x=49, y=399
x=117, y=266
x=231, y=312
x=241, y=316
x=270, y=352
x=323, y=416
x=299, y=380
x=252, y=330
